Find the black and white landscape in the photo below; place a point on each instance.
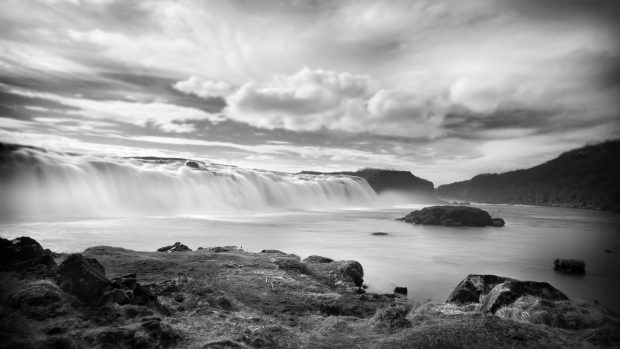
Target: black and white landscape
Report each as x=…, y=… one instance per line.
x=309, y=174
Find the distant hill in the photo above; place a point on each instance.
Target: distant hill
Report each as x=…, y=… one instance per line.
x=587, y=177
x=384, y=180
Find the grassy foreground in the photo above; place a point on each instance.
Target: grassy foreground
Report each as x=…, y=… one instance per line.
x=230, y=298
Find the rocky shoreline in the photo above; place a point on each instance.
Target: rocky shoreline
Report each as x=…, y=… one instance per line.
x=225, y=297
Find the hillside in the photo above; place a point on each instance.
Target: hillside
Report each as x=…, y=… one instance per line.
x=587, y=177
x=384, y=180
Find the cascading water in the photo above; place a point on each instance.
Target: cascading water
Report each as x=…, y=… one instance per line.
x=37, y=183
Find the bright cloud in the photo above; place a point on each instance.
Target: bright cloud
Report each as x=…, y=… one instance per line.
x=204, y=88
x=167, y=117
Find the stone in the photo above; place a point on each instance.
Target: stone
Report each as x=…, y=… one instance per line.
x=508, y=292
x=192, y=164
x=498, y=222
x=82, y=277
x=379, y=233
x=400, y=290
x=352, y=270
x=449, y=216
x=317, y=259
x=25, y=253
x=473, y=286
x=572, y=266
x=176, y=247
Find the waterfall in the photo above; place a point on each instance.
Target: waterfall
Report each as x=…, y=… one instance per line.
x=36, y=182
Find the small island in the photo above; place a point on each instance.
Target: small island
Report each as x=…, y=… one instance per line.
x=110, y=297
x=454, y=216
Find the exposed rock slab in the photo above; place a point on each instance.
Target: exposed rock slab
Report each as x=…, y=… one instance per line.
x=470, y=289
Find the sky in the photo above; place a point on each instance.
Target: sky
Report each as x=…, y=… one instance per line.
x=444, y=89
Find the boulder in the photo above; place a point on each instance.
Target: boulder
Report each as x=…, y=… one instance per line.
x=337, y=273
x=82, y=277
x=400, y=290
x=191, y=164
x=498, y=222
x=176, y=247
x=450, y=216
x=317, y=259
x=350, y=271
x=508, y=292
x=473, y=286
x=572, y=266
x=24, y=253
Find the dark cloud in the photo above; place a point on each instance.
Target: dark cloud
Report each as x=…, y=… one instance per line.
x=607, y=11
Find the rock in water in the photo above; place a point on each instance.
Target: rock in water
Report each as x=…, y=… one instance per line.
x=473, y=286
x=191, y=164
x=498, y=222
x=400, y=290
x=82, y=277
x=450, y=216
x=508, y=292
x=176, y=247
x=573, y=266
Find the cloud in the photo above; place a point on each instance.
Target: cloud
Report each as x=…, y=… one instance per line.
x=204, y=88
x=305, y=101
x=167, y=117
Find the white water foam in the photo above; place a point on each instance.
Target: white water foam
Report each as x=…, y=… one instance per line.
x=36, y=183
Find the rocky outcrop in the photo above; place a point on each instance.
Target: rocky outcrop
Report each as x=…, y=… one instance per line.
x=582, y=178
x=24, y=253
x=470, y=289
x=507, y=292
x=450, y=216
x=400, y=290
x=83, y=277
x=498, y=222
x=345, y=273
x=176, y=247
x=192, y=164
x=493, y=292
x=571, y=266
